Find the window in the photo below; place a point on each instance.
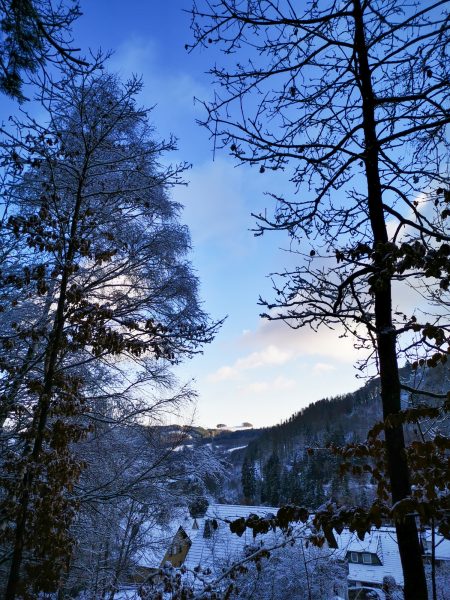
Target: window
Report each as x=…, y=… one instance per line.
x=175, y=548
x=353, y=557
x=367, y=558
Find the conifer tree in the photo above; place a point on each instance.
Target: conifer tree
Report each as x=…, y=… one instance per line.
x=248, y=479
x=270, y=492
x=34, y=33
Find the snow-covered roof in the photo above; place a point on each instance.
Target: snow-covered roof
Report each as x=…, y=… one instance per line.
x=441, y=545
x=371, y=543
x=223, y=547
x=235, y=511
x=383, y=543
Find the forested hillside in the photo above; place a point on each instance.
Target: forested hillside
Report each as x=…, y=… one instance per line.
x=291, y=462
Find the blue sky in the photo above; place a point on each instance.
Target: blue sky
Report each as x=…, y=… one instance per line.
x=254, y=371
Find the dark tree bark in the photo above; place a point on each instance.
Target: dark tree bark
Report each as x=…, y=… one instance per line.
x=43, y=404
x=407, y=534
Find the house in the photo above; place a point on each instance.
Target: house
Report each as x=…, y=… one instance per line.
x=370, y=560
x=441, y=547
x=163, y=543
x=208, y=543
x=178, y=549
x=376, y=557
x=215, y=549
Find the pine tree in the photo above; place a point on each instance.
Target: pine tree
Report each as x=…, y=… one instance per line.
x=34, y=33
x=248, y=480
x=270, y=492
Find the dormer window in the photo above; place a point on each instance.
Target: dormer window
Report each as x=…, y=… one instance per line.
x=366, y=558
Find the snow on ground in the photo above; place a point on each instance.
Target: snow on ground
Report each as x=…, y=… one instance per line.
x=182, y=447
x=127, y=594
x=236, y=448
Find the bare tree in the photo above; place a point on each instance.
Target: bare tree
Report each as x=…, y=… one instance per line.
x=99, y=283
x=131, y=488
x=350, y=98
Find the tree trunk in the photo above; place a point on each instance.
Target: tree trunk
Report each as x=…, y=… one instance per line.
x=9, y=400
x=43, y=406
x=407, y=535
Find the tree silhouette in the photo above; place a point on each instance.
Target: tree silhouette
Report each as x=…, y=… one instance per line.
x=351, y=99
x=248, y=479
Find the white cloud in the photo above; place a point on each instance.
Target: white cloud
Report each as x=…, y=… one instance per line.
x=171, y=89
x=321, y=367
x=134, y=55
x=257, y=387
x=268, y=357
x=214, y=205
x=282, y=345
x=272, y=355
x=278, y=384
x=303, y=342
x=223, y=374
